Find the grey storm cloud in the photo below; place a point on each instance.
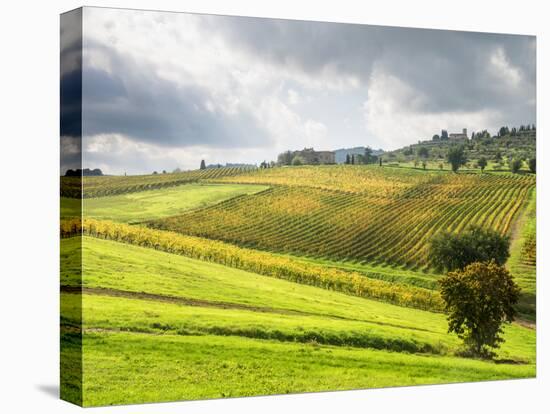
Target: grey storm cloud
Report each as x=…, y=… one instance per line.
x=132, y=100
x=451, y=68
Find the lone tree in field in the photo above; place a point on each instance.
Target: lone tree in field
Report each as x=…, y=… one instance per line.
x=482, y=163
x=478, y=300
x=450, y=251
x=203, y=165
x=456, y=157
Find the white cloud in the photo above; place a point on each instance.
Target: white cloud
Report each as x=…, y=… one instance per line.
x=182, y=50
x=293, y=97
x=285, y=85
x=118, y=154
x=502, y=69
x=393, y=113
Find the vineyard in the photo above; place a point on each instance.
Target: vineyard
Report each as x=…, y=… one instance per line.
x=278, y=280
x=364, y=214
x=523, y=258
x=368, y=179
x=101, y=186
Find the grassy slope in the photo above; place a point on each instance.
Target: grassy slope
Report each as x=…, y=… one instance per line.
x=125, y=368
x=204, y=352
x=175, y=363
x=130, y=268
x=119, y=266
x=154, y=204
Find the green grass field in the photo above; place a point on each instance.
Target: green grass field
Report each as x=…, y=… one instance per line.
x=131, y=368
x=155, y=204
x=169, y=316
x=127, y=331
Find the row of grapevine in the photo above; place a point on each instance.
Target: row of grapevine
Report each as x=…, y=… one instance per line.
x=101, y=186
x=374, y=180
x=263, y=263
x=523, y=260
x=365, y=226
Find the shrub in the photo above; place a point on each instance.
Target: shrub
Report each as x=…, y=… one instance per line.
x=515, y=165
x=450, y=251
x=297, y=160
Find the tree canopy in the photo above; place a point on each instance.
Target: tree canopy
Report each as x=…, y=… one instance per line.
x=449, y=251
x=423, y=152
x=456, y=157
x=515, y=165
x=482, y=163
x=478, y=300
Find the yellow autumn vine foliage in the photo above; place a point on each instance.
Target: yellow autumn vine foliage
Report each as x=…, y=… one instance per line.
x=352, y=283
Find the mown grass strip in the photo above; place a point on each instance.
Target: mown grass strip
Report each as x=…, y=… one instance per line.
x=134, y=314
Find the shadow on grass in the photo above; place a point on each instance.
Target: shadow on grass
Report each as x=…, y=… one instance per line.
x=510, y=361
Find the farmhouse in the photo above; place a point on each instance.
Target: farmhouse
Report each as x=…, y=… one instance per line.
x=308, y=155
x=459, y=136
x=316, y=157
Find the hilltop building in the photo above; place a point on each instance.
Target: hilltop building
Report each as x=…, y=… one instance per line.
x=459, y=136
x=316, y=157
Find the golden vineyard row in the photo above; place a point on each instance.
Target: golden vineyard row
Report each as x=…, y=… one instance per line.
x=88, y=187
x=263, y=263
x=373, y=180
x=394, y=230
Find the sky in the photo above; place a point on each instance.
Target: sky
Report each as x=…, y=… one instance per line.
x=165, y=90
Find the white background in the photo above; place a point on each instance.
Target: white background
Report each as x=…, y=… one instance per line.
x=29, y=131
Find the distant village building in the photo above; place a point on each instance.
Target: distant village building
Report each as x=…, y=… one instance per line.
x=309, y=156
x=459, y=136
x=316, y=157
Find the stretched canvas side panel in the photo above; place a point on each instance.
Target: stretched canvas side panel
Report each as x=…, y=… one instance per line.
x=71, y=207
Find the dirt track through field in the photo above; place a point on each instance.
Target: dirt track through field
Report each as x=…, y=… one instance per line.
x=214, y=304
